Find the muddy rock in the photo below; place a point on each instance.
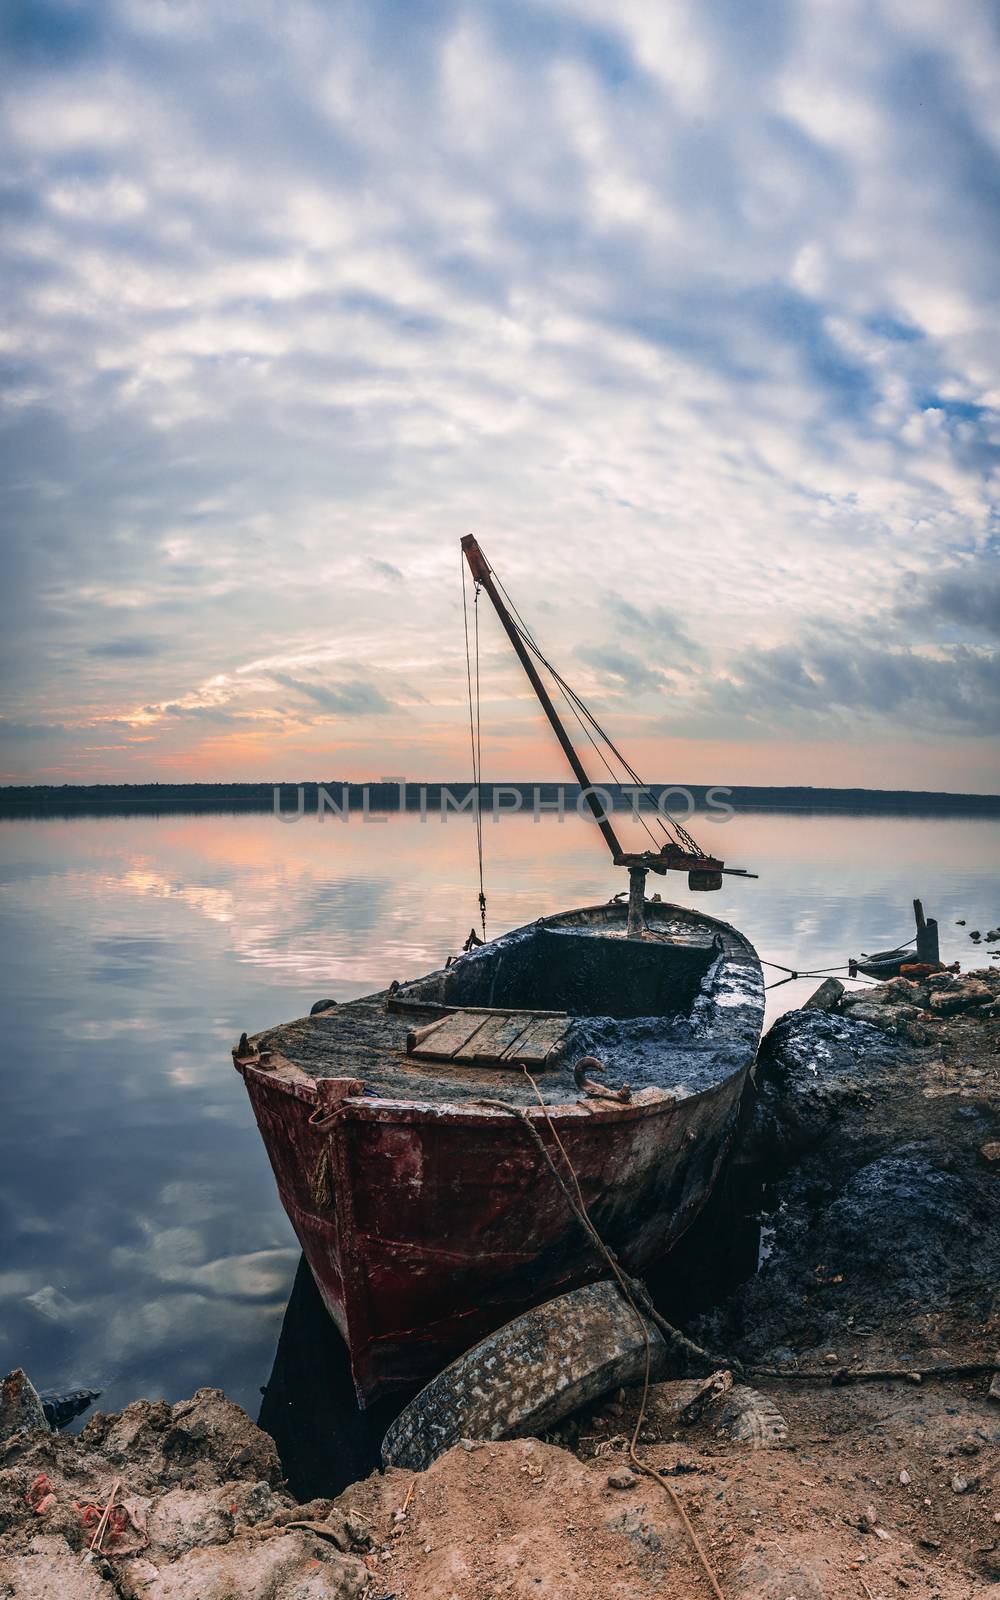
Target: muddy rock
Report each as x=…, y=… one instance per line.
x=900, y=991
x=293, y=1566
x=811, y=1066
x=882, y=1202
x=961, y=998
x=189, y=1443
x=49, y=1570
x=20, y=1406
x=900, y=1231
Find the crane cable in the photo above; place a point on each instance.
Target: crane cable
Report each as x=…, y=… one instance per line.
x=672, y=830
x=475, y=735
x=679, y=834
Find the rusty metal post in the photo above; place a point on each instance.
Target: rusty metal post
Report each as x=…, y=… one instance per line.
x=636, y=926
x=928, y=948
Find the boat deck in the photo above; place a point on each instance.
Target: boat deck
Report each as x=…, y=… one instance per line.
x=361, y=1039
x=707, y=1037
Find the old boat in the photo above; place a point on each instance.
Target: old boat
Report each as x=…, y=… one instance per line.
x=396, y=1124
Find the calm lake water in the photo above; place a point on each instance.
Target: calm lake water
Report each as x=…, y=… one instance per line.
x=144, y=1249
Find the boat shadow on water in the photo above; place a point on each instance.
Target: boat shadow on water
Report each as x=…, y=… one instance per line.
x=309, y=1404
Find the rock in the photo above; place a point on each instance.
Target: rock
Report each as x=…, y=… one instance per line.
x=826, y=997
x=52, y=1574
x=321, y=1005
x=989, y=1564
x=623, y=1479
x=183, y=1519
x=293, y=1566
x=993, y=1393
x=915, y=1032
x=990, y=1151
x=20, y=1407
x=897, y=992
x=904, y=1478
x=946, y=1003
x=886, y=1018
x=959, y=1484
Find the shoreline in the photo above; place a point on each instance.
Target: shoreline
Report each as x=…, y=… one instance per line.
x=390, y=795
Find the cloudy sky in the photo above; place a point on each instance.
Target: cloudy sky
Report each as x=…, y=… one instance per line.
x=688, y=309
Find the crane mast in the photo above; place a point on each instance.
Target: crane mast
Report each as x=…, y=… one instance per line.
x=704, y=871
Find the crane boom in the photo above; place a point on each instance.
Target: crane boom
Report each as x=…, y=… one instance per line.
x=483, y=575
x=704, y=871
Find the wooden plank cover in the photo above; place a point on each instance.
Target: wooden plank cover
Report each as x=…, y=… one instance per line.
x=444, y=1038
x=540, y=1040
x=495, y=1036
x=480, y=1038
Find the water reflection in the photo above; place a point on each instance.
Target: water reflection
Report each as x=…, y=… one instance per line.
x=144, y=1248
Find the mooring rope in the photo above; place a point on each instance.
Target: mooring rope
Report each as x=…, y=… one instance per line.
x=632, y=1290
x=475, y=735
x=824, y=972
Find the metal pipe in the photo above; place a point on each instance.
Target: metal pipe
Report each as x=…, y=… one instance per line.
x=636, y=925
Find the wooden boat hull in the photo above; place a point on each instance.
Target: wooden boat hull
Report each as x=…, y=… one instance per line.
x=428, y=1225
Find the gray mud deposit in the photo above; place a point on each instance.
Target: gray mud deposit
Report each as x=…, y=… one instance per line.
x=882, y=1215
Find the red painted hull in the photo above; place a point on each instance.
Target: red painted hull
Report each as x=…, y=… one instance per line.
x=426, y=1227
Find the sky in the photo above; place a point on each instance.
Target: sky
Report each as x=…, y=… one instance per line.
x=688, y=310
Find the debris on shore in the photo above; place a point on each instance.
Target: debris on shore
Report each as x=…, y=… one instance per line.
x=855, y=1456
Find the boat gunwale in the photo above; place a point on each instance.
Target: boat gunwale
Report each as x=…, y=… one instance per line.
x=376, y=1108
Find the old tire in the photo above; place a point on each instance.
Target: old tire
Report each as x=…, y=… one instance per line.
x=527, y=1376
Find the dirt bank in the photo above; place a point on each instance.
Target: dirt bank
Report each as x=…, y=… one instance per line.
x=876, y=1132
x=198, y=1512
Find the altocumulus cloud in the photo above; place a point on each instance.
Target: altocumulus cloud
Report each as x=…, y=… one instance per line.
x=353, y=698
x=819, y=680
x=689, y=311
